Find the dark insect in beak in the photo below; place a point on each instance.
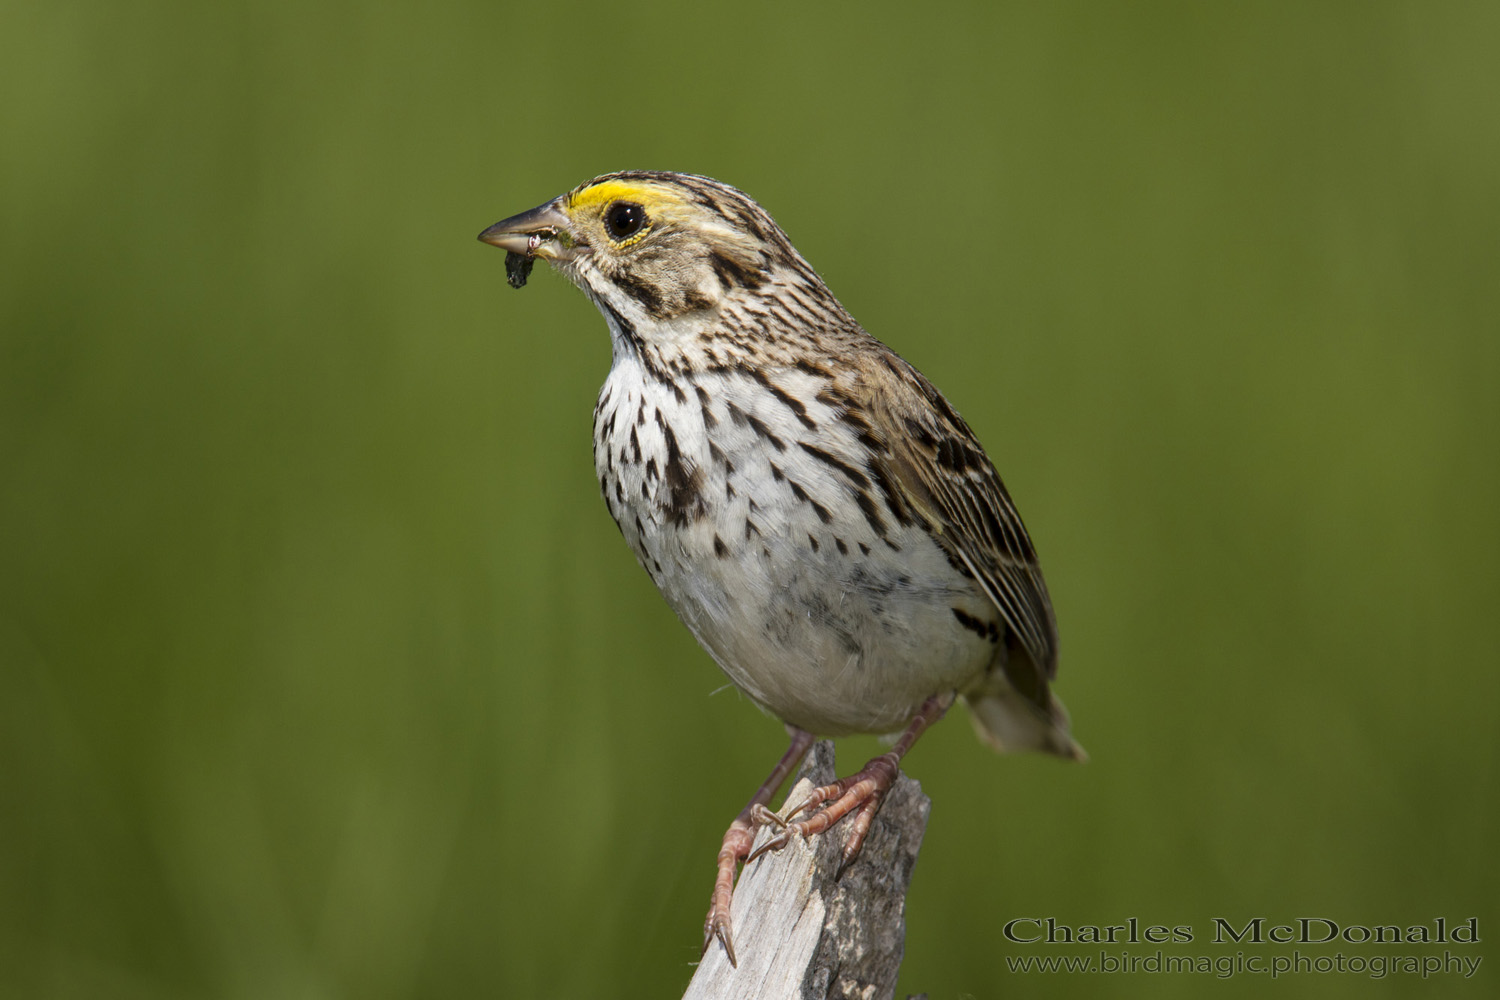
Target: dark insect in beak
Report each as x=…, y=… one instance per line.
x=517, y=268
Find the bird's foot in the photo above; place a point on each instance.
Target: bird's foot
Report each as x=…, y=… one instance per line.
x=738, y=840
x=860, y=791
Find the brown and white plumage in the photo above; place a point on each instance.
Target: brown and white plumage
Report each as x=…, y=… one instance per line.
x=815, y=511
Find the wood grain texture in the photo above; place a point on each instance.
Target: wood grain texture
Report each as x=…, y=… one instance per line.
x=803, y=929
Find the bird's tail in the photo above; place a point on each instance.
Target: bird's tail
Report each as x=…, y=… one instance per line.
x=1008, y=721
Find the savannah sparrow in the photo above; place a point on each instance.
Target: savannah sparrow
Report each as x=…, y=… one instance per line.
x=813, y=509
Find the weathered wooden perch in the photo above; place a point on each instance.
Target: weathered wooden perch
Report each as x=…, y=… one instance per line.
x=803, y=930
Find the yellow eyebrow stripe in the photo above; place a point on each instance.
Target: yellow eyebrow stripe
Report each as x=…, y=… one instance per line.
x=610, y=191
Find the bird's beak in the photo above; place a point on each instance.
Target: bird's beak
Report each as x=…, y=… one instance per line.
x=541, y=232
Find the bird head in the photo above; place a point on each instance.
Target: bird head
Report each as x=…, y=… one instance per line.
x=658, y=244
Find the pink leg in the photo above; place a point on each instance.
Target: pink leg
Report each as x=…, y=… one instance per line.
x=862, y=790
x=738, y=840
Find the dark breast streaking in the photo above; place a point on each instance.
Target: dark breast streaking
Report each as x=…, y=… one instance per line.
x=793, y=532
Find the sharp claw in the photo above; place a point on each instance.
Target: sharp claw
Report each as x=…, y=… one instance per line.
x=776, y=843
x=765, y=817
x=802, y=806
x=720, y=929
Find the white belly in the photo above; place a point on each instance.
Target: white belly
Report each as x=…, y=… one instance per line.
x=761, y=550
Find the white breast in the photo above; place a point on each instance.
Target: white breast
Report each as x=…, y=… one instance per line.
x=761, y=549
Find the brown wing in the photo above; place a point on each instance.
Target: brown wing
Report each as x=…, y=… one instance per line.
x=945, y=476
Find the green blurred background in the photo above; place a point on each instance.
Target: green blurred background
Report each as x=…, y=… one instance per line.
x=324, y=673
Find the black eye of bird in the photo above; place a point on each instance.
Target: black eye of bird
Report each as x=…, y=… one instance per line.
x=624, y=219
